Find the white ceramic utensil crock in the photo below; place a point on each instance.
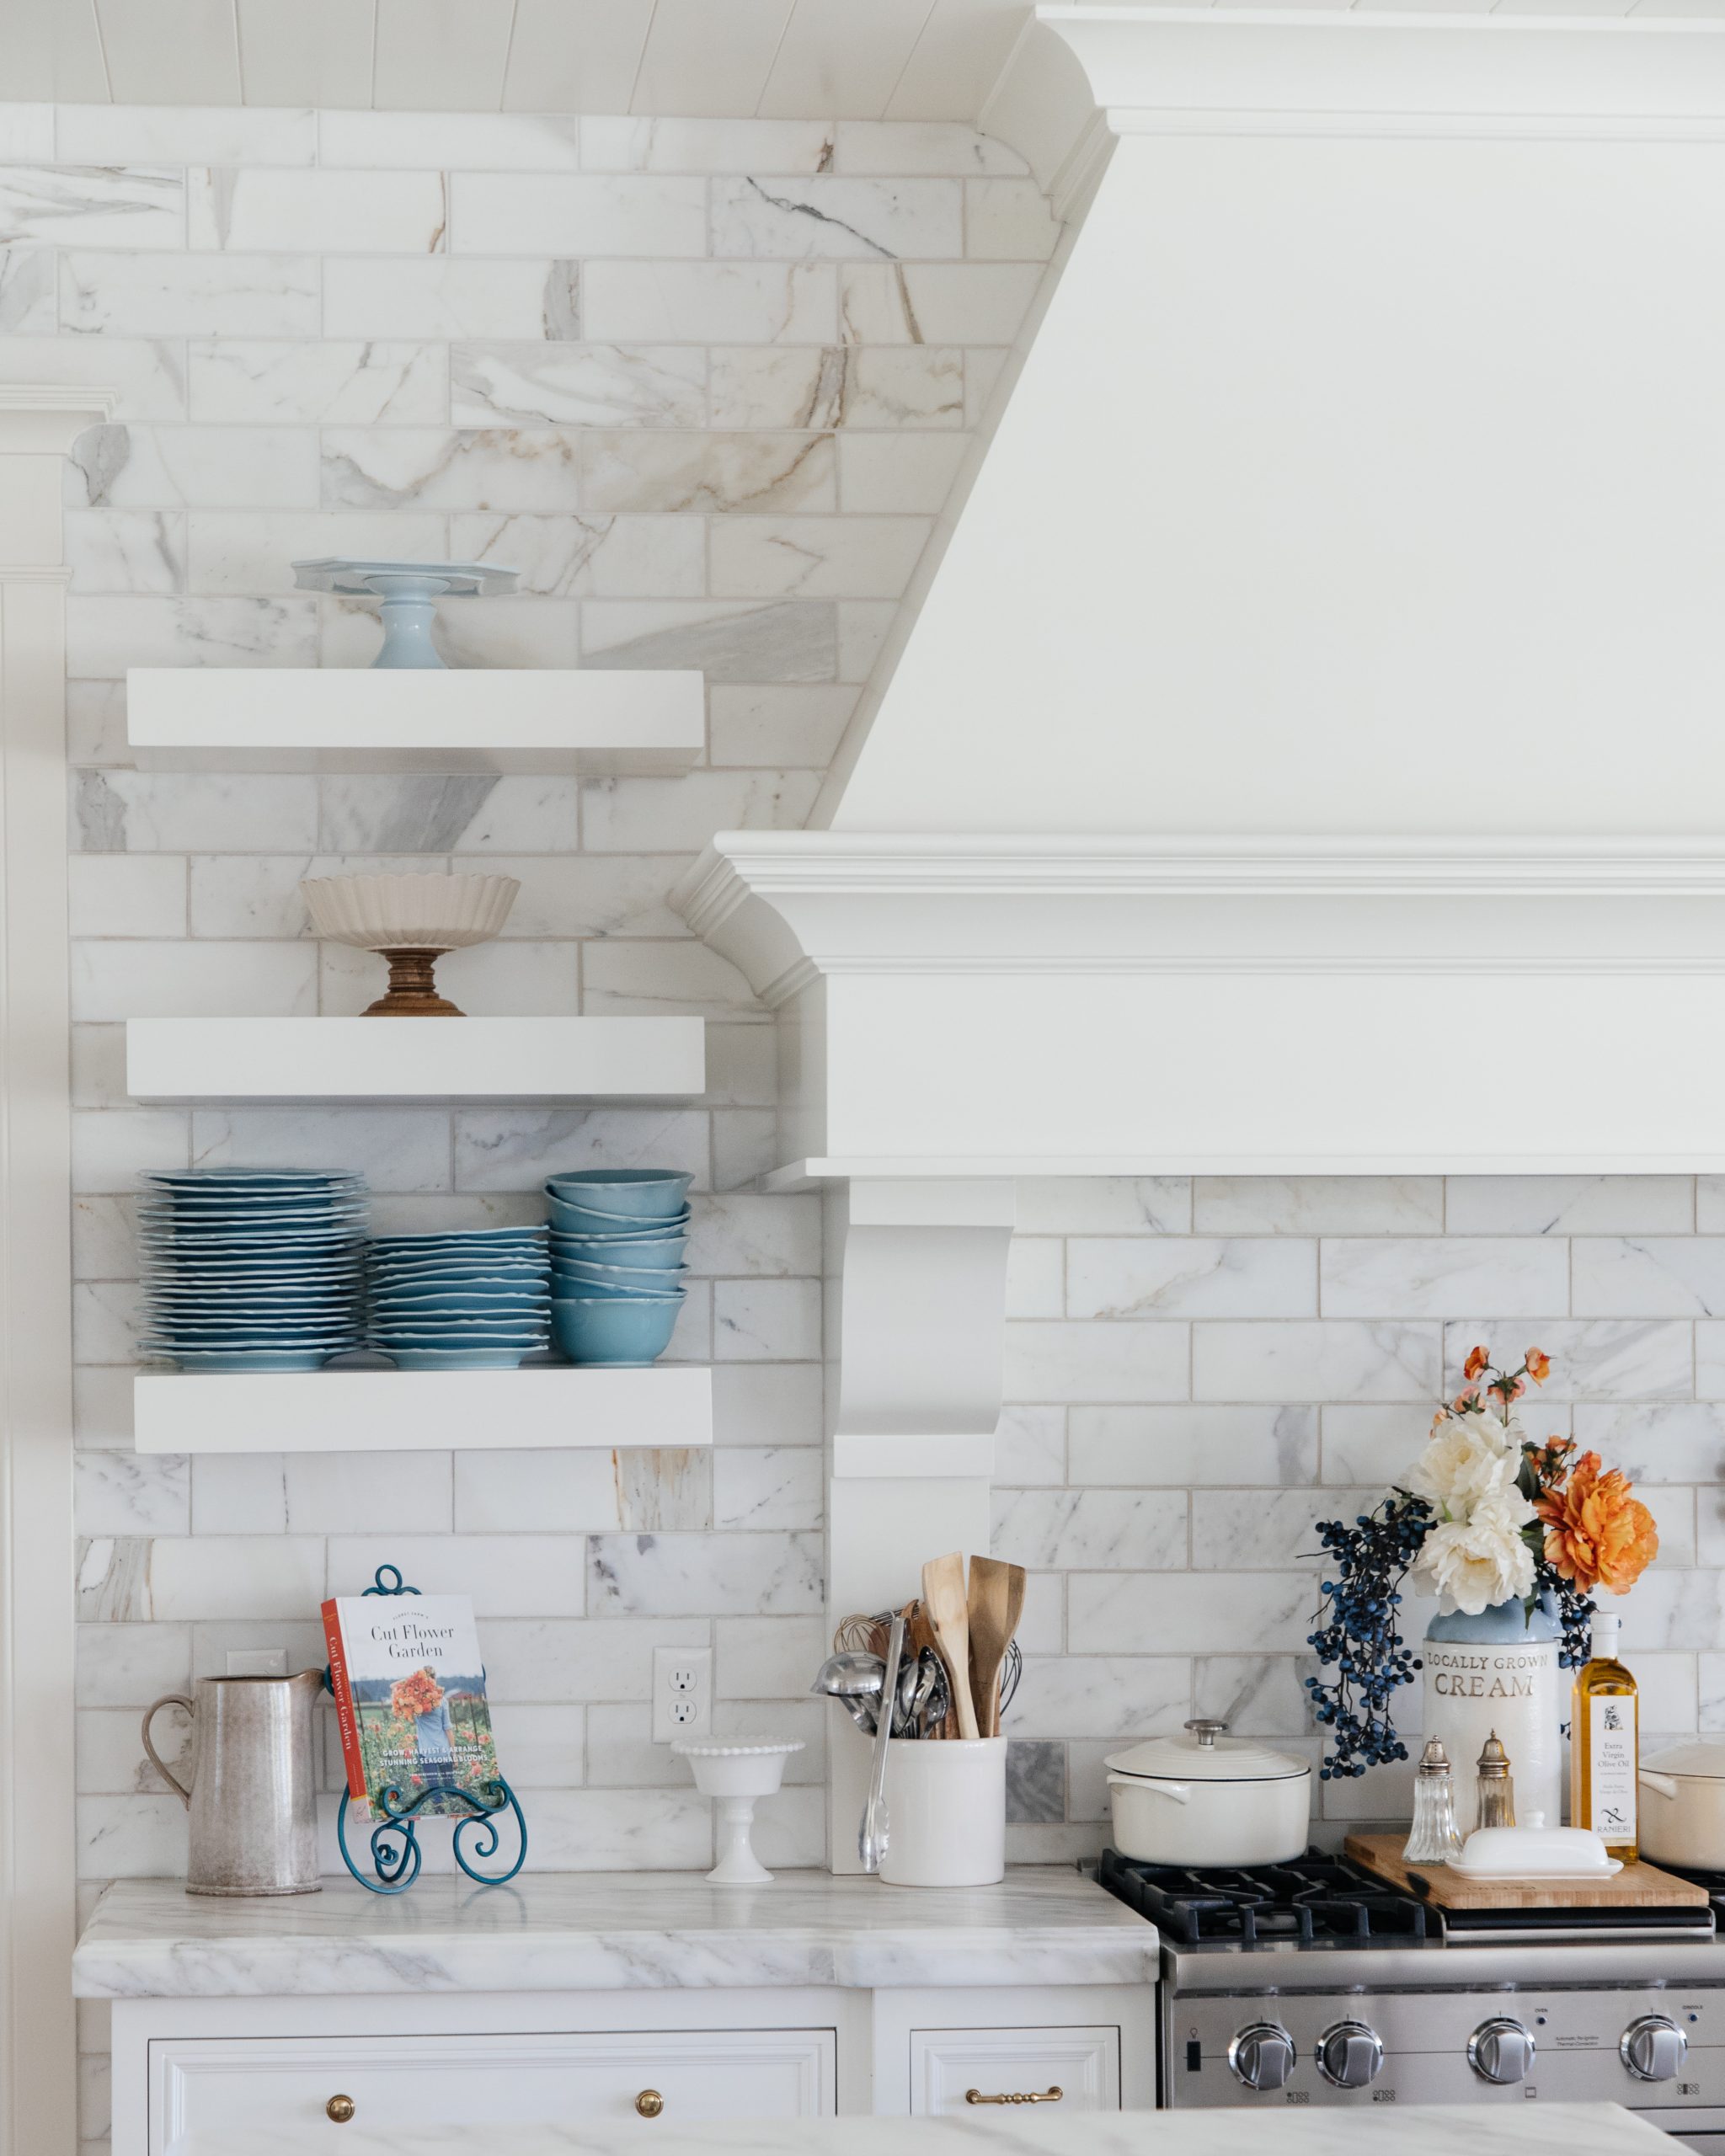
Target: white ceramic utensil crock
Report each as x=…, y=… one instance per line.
x=946, y=1803
x=1683, y=1807
x=1205, y=1798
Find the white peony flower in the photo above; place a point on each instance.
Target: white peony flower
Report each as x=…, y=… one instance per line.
x=1467, y=1459
x=1473, y=1563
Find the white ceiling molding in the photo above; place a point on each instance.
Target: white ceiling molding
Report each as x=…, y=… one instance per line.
x=937, y=60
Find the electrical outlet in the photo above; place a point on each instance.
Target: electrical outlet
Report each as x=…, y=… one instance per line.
x=682, y=1693
x=257, y=1662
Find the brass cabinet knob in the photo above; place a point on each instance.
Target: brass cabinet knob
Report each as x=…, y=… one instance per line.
x=1018, y=2096
x=650, y=2103
x=340, y=2109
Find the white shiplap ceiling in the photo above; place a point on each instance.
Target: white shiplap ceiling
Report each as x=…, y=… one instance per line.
x=792, y=59
x=717, y=59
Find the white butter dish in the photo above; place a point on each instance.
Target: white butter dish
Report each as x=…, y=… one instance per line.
x=1534, y=1853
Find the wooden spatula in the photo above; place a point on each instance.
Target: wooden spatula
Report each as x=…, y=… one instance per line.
x=995, y=1604
x=943, y=1597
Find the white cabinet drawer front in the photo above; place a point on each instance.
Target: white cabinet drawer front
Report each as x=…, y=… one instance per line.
x=946, y=2064
x=221, y=2084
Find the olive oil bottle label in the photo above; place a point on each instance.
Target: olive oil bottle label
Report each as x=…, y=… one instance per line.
x=1611, y=1759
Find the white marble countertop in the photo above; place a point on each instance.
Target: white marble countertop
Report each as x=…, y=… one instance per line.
x=1454, y=2130
x=606, y=1931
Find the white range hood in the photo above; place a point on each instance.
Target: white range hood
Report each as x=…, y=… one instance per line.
x=1309, y=753
x=1328, y=650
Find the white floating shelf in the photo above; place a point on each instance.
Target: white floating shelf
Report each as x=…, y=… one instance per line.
x=555, y=1404
x=372, y=720
x=414, y=1059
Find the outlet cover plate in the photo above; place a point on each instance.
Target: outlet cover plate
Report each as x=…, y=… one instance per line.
x=682, y=1693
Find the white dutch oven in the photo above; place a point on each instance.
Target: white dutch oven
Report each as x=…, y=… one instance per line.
x=1206, y=1799
x=1683, y=1807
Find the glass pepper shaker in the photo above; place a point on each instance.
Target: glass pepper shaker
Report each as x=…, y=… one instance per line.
x=1435, y=1838
x=1495, y=1798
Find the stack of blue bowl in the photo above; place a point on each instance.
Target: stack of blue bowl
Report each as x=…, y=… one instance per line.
x=251, y=1268
x=466, y=1299
x=617, y=1268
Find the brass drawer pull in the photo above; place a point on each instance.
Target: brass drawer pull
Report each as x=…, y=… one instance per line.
x=1017, y=2096
x=650, y=2103
x=340, y=2109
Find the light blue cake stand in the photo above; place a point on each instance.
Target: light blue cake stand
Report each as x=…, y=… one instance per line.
x=409, y=592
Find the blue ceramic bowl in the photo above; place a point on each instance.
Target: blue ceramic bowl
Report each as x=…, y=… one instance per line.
x=634, y=1193
x=581, y=1220
x=564, y=1290
x=628, y=1332
x=639, y=1279
x=655, y=1253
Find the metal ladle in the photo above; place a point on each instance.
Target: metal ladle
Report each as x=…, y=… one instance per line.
x=855, y=1681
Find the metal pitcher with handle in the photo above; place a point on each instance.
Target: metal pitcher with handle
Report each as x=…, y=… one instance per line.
x=253, y=1798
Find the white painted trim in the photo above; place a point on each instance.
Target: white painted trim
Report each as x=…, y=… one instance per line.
x=1225, y=1006
x=1076, y=71
x=991, y=864
x=38, y=1855
x=915, y=1460
x=1401, y=70
x=813, y=1173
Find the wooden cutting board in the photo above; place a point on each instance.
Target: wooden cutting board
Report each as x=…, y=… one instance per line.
x=1637, y=1885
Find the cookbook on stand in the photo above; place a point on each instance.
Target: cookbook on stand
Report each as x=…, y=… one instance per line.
x=409, y=1687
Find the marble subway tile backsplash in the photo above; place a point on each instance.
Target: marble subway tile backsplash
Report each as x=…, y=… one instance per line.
x=621, y=356
x=1198, y=1372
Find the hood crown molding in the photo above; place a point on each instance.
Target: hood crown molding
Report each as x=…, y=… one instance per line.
x=953, y=1005
x=1079, y=76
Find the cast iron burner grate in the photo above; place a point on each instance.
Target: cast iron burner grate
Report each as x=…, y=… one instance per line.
x=1262, y=1904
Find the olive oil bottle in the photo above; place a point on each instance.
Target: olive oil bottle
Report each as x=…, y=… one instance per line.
x=1603, y=1742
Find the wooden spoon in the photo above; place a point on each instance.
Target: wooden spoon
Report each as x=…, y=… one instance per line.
x=996, y=1603
x=943, y=1597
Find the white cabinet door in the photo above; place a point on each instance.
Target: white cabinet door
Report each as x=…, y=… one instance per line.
x=218, y=2085
x=965, y=2072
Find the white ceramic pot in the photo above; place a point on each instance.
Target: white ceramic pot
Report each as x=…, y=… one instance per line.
x=1205, y=1799
x=1683, y=1807
x=946, y=1806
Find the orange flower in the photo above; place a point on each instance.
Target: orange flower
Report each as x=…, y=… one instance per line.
x=1477, y=1363
x=418, y=1694
x=1539, y=1366
x=1596, y=1533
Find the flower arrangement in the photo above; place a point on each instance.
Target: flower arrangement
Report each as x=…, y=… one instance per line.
x=1484, y=1516
x=418, y=1694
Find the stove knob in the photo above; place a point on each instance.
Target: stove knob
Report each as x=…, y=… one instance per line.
x=1653, y=2048
x=1500, y=2050
x=1349, y=2055
x=1263, y=2056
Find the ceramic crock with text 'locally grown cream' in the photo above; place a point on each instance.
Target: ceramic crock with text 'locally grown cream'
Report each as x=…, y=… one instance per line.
x=1498, y=1673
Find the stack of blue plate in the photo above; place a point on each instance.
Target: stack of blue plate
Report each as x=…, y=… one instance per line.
x=467, y=1299
x=251, y=1268
x=617, y=1268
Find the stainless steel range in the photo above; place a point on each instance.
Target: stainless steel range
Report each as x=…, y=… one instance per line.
x=1310, y=1983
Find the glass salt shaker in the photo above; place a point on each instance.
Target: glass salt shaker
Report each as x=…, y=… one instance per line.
x=1496, y=1792
x=1435, y=1838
